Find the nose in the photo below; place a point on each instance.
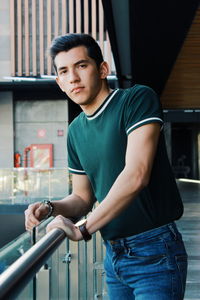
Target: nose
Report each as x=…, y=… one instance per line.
x=73, y=76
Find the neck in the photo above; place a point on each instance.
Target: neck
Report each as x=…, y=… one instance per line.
x=90, y=108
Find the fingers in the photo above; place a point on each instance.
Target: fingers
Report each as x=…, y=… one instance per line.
x=41, y=212
x=30, y=219
x=58, y=222
x=67, y=225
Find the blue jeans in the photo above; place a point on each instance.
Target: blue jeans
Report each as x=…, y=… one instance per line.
x=147, y=266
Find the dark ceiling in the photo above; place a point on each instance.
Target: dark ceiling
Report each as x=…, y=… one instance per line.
x=146, y=37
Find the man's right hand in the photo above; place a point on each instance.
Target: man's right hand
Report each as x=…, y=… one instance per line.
x=34, y=214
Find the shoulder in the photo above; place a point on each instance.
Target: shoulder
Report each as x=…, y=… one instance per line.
x=136, y=93
x=139, y=90
x=141, y=106
x=138, y=96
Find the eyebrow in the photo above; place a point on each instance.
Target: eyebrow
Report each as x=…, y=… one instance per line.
x=77, y=63
x=81, y=61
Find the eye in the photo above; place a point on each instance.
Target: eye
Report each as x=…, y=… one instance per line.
x=82, y=66
x=62, y=72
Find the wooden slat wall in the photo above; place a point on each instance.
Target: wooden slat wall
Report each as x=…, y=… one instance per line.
x=34, y=39
x=27, y=34
x=182, y=90
x=64, y=16
x=12, y=34
x=49, y=33
x=19, y=38
x=41, y=37
x=34, y=23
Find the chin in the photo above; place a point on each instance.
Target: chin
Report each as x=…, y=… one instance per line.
x=81, y=101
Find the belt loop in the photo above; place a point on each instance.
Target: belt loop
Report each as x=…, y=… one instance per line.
x=112, y=242
x=171, y=227
x=122, y=242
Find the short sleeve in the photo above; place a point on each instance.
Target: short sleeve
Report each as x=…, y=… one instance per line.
x=74, y=164
x=142, y=107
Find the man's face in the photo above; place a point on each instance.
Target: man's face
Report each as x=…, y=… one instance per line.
x=78, y=75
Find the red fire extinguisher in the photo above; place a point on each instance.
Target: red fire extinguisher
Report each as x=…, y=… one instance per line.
x=17, y=160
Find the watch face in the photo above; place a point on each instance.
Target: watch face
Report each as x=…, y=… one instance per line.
x=81, y=222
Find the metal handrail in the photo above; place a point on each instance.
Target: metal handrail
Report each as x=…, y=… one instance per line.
x=17, y=276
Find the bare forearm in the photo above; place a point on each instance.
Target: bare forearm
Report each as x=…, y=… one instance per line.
x=71, y=206
x=119, y=197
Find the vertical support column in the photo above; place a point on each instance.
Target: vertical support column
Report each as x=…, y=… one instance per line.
x=94, y=20
x=167, y=132
x=71, y=16
x=56, y=17
x=86, y=17
x=78, y=16
x=195, y=151
x=41, y=23
x=99, y=268
x=43, y=284
x=12, y=36
x=101, y=27
x=6, y=130
x=108, y=51
x=83, y=270
x=64, y=17
x=199, y=153
x=19, y=37
x=27, y=42
x=74, y=271
x=34, y=34
x=90, y=268
x=49, y=30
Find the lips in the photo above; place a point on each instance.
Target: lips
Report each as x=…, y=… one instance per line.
x=77, y=89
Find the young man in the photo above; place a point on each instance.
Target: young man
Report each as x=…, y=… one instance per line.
x=117, y=156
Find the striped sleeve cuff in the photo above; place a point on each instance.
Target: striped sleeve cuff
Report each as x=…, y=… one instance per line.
x=75, y=171
x=143, y=122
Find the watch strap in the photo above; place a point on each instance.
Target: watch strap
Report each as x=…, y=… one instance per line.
x=84, y=232
x=50, y=206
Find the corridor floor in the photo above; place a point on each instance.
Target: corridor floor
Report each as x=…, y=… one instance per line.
x=189, y=226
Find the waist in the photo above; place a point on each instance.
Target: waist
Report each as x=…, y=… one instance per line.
x=146, y=235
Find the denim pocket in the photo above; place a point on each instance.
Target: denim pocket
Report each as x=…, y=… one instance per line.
x=154, y=249
x=149, y=258
x=145, y=256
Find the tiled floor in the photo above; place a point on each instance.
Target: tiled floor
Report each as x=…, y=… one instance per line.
x=189, y=226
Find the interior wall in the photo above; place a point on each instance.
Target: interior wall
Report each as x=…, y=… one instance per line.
x=42, y=122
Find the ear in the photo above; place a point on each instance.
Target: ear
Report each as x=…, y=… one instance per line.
x=59, y=83
x=104, y=70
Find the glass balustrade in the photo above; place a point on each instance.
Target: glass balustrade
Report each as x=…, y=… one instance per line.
x=22, y=186
x=15, y=249
x=75, y=270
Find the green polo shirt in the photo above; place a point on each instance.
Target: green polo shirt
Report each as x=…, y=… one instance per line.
x=97, y=147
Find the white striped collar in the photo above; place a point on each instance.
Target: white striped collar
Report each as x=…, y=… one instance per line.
x=103, y=107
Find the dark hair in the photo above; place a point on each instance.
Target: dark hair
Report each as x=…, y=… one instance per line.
x=69, y=41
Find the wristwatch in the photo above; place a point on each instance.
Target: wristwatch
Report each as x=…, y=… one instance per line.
x=50, y=206
x=82, y=227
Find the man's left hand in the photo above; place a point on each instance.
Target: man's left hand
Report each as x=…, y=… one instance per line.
x=71, y=231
